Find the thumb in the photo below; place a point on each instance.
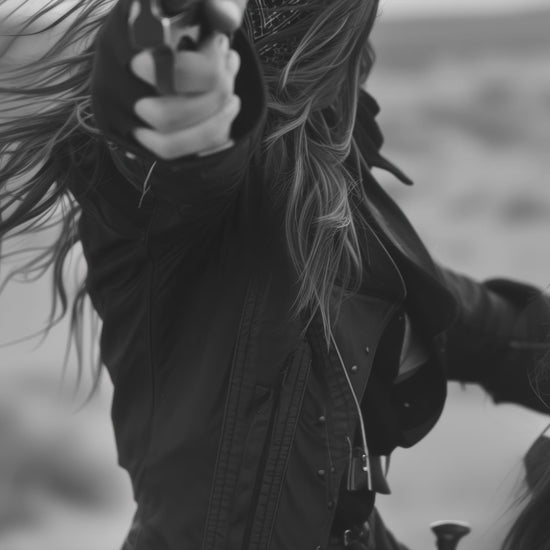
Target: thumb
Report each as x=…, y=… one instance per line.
x=225, y=15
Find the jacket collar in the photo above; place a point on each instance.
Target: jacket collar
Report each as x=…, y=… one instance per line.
x=427, y=294
x=397, y=236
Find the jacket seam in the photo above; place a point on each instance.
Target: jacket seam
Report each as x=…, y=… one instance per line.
x=280, y=462
x=218, y=490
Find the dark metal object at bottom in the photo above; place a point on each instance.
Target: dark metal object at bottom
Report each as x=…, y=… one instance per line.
x=449, y=533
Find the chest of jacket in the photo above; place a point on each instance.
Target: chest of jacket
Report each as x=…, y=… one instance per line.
x=294, y=440
x=244, y=419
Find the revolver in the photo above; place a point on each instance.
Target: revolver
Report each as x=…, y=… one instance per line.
x=166, y=26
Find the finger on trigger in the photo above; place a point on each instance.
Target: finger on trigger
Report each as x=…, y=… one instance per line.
x=171, y=113
x=210, y=133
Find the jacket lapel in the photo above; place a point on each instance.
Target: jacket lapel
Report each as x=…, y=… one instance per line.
x=426, y=292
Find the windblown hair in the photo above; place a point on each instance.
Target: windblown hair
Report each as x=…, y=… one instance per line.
x=312, y=104
x=44, y=104
x=46, y=109
x=531, y=528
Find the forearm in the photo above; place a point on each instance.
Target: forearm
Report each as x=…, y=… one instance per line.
x=499, y=339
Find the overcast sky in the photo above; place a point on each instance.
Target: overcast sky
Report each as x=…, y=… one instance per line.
x=390, y=8
x=426, y=7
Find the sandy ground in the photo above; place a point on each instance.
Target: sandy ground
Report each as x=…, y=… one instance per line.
x=465, y=109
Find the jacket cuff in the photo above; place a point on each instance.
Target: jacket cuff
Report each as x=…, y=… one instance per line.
x=500, y=339
x=195, y=178
x=523, y=376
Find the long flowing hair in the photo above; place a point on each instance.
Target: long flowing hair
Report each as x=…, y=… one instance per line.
x=531, y=528
x=45, y=105
x=312, y=105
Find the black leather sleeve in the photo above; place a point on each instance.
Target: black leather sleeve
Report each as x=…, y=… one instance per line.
x=501, y=340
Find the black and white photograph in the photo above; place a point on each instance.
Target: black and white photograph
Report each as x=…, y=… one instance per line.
x=274, y=275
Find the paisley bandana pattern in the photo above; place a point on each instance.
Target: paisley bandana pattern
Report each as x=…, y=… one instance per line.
x=264, y=19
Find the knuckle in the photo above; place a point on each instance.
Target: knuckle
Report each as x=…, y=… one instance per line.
x=212, y=133
x=211, y=140
x=153, y=113
x=222, y=42
x=165, y=153
x=187, y=82
x=162, y=120
x=232, y=108
x=157, y=144
x=168, y=141
x=169, y=148
x=221, y=138
x=221, y=97
x=227, y=85
x=233, y=62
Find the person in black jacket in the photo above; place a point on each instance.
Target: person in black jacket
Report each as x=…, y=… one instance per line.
x=273, y=326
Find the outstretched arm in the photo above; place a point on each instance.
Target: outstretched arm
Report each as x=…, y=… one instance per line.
x=500, y=339
x=195, y=142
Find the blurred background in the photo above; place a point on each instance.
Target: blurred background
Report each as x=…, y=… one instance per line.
x=465, y=95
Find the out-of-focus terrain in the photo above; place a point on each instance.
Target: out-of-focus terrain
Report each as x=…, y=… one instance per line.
x=466, y=113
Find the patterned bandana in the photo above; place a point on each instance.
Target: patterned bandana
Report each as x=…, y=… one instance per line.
x=264, y=19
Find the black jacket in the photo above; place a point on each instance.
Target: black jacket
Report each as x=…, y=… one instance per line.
x=235, y=423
